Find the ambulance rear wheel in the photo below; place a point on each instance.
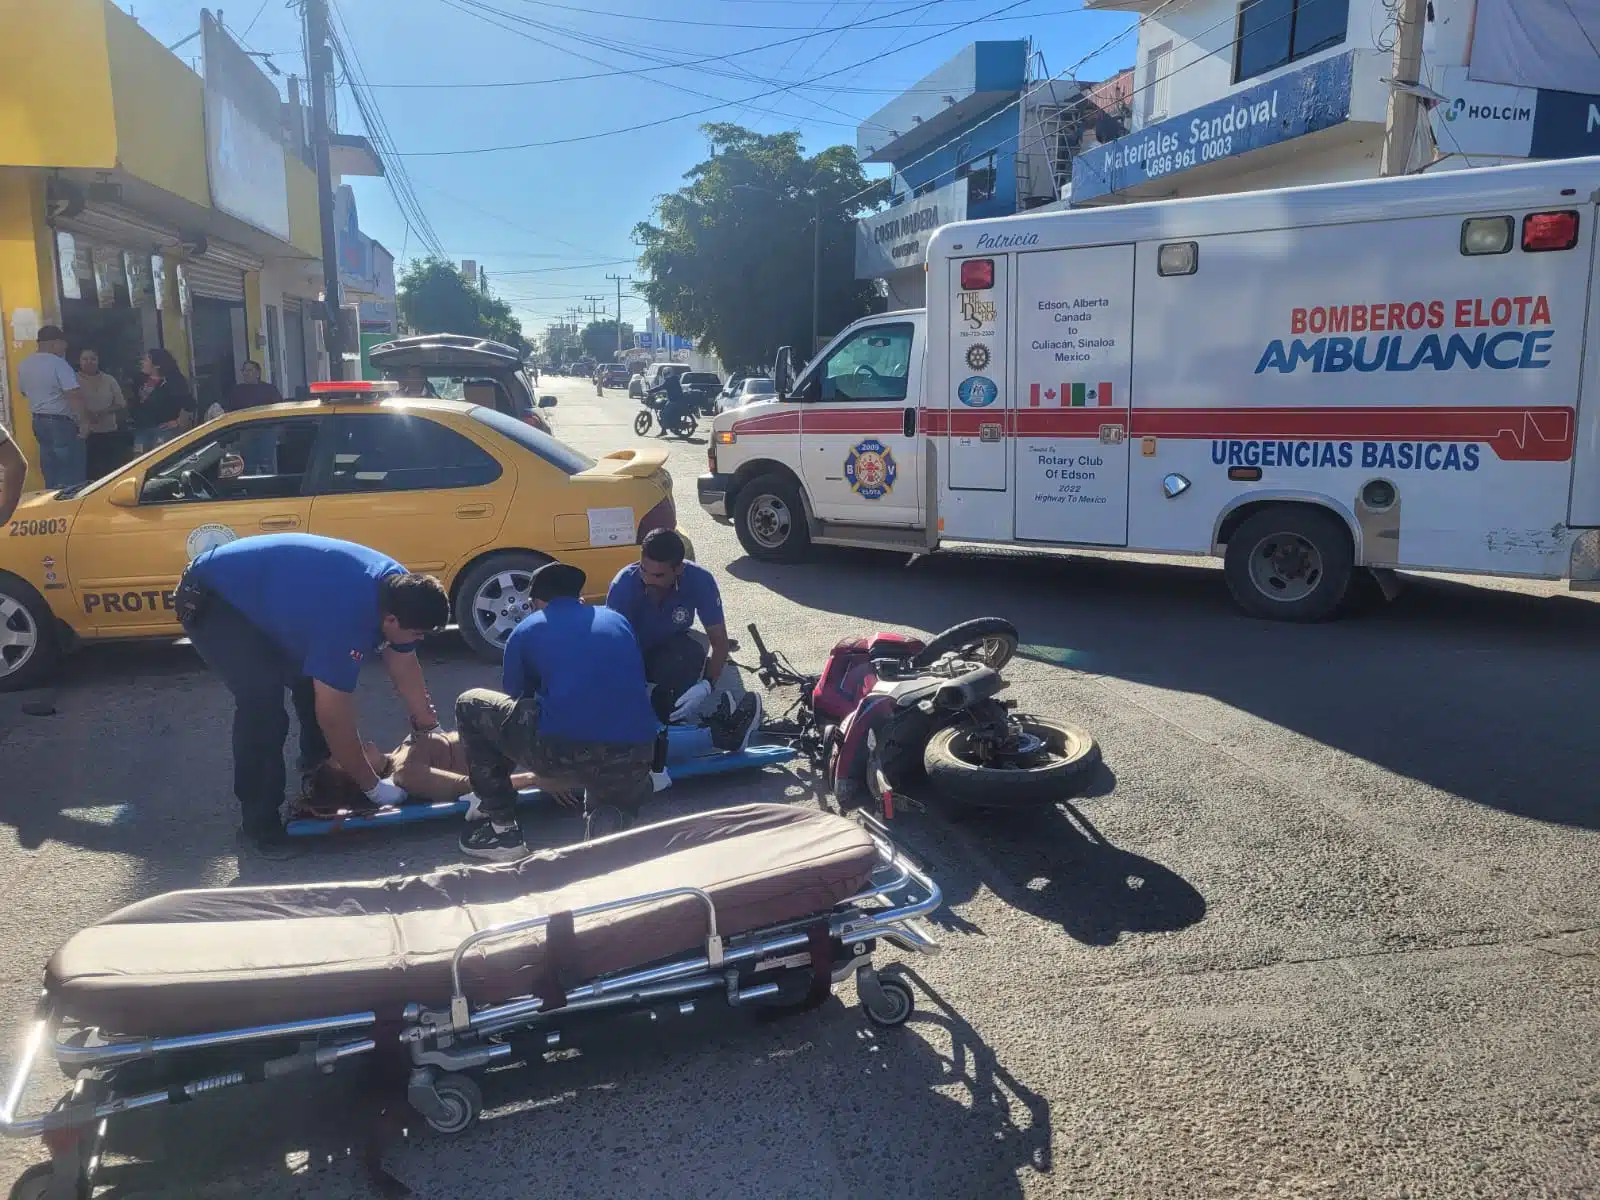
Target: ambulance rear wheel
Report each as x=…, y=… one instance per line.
x=1290, y=563
x=770, y=520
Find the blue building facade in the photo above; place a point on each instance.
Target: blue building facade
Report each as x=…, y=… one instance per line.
x=973, y=138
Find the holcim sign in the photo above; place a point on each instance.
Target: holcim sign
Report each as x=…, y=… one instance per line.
x=898, y=237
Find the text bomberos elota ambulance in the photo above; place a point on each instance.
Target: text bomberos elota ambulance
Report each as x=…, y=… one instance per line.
x=1387, y=374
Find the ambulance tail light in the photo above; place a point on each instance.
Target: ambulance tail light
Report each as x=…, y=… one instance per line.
x=977, y=275
x=1550, y=230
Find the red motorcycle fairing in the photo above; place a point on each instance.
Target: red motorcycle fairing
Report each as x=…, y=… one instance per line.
x=847, y=764
x=848, y=674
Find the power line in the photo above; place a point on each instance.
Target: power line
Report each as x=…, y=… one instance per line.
x=695, y=112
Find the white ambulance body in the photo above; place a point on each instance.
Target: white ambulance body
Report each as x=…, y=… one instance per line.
x=1388, y=374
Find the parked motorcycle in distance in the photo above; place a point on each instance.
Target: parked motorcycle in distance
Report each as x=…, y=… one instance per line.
x=890, y=712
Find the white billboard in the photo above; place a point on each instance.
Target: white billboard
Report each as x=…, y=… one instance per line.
x=244, y=135
x=898, y=237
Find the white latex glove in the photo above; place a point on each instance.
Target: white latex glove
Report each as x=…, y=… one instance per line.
x=692, y=701
x=387, y=795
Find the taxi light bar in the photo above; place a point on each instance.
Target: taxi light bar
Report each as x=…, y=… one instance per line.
x=1550, y=230
x=354, y=389
x=977, y=275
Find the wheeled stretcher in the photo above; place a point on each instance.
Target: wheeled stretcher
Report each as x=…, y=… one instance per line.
x=429, y=978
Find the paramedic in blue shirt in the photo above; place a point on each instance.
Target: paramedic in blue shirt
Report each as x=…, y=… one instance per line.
x=574, y=711
x=297, y=613
x=661, y=595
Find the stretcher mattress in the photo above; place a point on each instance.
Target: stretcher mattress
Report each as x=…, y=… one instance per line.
x=226, y=958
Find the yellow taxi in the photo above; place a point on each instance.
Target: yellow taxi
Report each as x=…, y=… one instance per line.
x=456, y=490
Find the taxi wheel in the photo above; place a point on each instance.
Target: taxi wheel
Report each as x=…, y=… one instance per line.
x=493, y=598
x=29, y=647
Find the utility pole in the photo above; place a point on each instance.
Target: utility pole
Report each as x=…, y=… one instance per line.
x=321, y=68
x=816, y=269
x=620, y=280
x=1400, y=128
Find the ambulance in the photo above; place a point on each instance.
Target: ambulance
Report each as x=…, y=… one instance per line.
x=1389, y=374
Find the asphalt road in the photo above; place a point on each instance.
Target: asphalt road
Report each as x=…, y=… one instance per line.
x=1326, y=926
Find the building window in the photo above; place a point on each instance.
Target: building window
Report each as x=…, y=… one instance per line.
x=980, y=176
x=1275, y=32
x=1157, y=71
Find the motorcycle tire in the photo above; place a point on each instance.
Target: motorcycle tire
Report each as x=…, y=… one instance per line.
x=641, y=423
x=997, y=635
x=686, y=424
x=1074, y=755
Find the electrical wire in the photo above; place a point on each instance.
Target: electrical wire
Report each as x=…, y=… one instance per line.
x=395, y=174
x=643, y=125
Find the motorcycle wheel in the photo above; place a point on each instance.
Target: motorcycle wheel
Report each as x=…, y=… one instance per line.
x=1069, y=759
x=991, y=640
x=641, y=423
x=686, y=424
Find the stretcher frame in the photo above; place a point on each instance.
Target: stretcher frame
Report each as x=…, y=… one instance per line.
x=439, y=1044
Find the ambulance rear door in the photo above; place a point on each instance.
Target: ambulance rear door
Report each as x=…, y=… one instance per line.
x=1070, y=394
x=977, y=447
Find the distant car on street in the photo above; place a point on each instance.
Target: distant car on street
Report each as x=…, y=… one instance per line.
x=614, y=375
x=702, y=389
x=752, y=388
x=453, y=366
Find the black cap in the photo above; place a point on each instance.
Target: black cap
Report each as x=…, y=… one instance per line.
x=556, y=581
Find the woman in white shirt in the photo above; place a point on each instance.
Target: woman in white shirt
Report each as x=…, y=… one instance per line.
x=109, y=445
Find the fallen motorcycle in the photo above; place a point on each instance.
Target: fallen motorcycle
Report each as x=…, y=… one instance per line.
x=890, y=712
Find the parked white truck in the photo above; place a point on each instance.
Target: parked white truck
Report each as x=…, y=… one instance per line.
x=1384, y=374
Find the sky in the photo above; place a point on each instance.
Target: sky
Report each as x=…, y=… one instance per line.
x=549, y=222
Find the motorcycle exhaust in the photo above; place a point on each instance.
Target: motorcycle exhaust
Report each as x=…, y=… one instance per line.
x=980, y=683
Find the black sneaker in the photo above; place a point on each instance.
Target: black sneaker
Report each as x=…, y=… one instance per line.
x=487, y=840
x=273, y=847
x=604, y=821
x=732, y=730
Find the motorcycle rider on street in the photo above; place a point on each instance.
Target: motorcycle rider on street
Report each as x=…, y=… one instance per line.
x=674, y=405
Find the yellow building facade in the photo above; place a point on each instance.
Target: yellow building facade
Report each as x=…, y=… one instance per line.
x=120, y=223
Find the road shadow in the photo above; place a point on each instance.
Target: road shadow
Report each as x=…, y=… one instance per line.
x=1474, y=691
x=715, y=1103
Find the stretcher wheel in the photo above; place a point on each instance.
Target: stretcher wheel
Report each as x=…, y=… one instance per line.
x=35, y=1184
x=464, y=1102
x=894, y=1006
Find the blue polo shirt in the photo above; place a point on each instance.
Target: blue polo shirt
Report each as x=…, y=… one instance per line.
x=316, y=597
x=584, y=666
x=655, y=622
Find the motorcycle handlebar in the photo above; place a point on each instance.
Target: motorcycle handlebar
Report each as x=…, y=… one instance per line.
x=761, y=647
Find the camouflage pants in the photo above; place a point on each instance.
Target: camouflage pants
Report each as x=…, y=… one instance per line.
x=501, y=735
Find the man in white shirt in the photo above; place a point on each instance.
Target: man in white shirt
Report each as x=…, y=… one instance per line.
x=13, y=470
x=60, y=417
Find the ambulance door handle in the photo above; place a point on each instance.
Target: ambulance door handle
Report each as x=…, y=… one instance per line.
x=910, y=424
x=289, y=522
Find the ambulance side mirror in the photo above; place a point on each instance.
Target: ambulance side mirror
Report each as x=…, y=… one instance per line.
x=124, y=493
x=783, y=372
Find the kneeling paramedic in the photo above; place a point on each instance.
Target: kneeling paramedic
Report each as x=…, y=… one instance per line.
x=298, y=613
x=574, y=711
x=661, y=595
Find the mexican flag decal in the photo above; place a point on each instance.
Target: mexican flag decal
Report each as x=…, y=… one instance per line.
x=1070, y=395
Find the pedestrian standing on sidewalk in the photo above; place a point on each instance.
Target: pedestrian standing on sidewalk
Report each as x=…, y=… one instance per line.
x=13, y=475
x=60, y=421
x=299, y=613
x=167, y=407
x=574, y=711
x=108, y=444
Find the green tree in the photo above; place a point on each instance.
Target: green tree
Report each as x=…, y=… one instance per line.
x=561, y=344
x=729, y=255
x=600, y=340
x=435, y=299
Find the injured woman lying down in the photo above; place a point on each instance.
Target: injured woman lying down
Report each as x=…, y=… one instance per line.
x=429, y=770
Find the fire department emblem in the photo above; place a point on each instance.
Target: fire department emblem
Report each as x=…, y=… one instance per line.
x=870, y=469
x=977, y=356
